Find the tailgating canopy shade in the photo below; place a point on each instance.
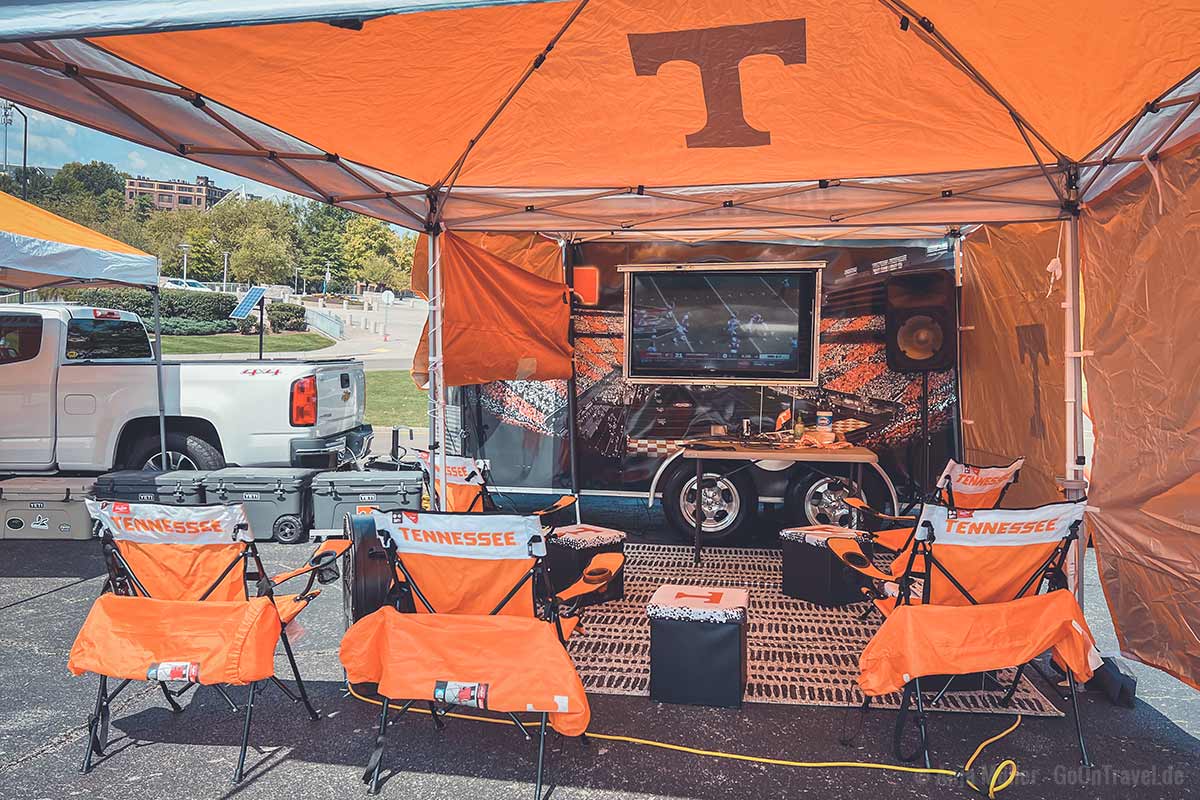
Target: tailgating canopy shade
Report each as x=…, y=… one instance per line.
x=633, y=116
x=39, y=249
x=827, y=120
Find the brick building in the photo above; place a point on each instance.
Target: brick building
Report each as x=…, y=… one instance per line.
x=171, y=195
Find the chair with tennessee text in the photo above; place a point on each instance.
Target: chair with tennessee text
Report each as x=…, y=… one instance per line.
x=469, y=620
x=175, y=609
x=970, y=600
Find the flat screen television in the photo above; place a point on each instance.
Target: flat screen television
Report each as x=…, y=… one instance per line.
x=723, y=323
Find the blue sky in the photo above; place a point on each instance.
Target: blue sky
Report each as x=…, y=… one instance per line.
x=53, y=142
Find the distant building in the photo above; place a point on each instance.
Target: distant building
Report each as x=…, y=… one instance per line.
x=172, y=195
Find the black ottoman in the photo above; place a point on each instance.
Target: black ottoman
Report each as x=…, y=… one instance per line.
x=571, y=548
x=812, y=572
x=698, y=645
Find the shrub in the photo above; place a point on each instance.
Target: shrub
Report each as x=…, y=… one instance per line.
x=286, y=317
x=175, y=303
x=180, y=326
x=248, y=326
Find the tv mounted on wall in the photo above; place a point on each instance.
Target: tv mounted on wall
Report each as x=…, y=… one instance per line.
x=725, y=324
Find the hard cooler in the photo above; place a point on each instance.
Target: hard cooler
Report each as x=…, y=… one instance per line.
x=45, y=508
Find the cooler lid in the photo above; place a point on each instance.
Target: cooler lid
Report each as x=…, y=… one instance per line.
x=136, y=478
x=46, y=488
x=258, y=478
x=369, y=481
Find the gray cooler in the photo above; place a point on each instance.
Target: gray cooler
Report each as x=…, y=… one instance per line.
x=276, y=499
x=174, y=488
x=45, y=508
x=336, y=494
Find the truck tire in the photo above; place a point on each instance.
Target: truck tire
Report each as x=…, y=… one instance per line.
x=184, y=451
x=289, y=529
x=730, y=505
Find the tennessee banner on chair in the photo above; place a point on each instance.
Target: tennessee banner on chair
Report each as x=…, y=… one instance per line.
x=499, y=321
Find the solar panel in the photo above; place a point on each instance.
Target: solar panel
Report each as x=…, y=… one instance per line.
x=248, y=302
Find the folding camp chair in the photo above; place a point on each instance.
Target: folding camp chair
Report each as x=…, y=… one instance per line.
x=175, y=608
x=985, y=559
x=959, y=486
x=487, y=632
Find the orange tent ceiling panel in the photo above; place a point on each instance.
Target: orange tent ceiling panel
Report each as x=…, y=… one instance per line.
x=655, y=93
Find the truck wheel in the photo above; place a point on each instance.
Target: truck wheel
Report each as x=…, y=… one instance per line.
x=729, y=504
x=184, y=451
x=816, y=499
x=289, y=529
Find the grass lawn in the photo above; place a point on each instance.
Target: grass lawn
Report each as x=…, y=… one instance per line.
x=236, y=343
x=393, y=399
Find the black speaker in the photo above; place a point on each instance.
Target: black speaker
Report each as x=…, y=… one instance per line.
x=920, y=321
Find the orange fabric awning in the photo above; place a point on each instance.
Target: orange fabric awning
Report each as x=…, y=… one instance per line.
x=499, y=321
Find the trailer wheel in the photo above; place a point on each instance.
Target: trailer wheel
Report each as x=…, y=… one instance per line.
x=289, y=529
x=814, y=498
x=729, y=502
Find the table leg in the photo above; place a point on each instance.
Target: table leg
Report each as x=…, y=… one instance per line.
x=699, y=515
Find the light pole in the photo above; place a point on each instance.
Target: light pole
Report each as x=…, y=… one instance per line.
x=7, y=119
x=225, y=274
x=185, y=247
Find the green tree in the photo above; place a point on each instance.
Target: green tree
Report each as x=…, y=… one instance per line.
x=378, y=271
x=261, y=257
x=94, y=178
x=38, y=183
x=321, y=233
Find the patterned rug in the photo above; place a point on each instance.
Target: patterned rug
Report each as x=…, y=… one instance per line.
x=799, y=653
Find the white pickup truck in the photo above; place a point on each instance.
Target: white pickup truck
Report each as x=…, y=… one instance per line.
x=78, y=394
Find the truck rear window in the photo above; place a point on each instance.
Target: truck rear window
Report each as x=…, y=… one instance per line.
x=91, y=339
x=20, y=337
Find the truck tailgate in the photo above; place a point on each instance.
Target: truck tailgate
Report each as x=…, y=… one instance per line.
x=341, y=397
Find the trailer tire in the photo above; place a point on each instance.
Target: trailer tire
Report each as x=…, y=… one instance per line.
x=184, y=451
x=732, y=503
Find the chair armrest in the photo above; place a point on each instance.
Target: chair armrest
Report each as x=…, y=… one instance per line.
x=851, y=554
x=596, y=576
x=566, y=501
x=859, y=504
x=323, y=562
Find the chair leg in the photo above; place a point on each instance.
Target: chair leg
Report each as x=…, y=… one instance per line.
x=921, y=723
x=371, y=776
x=228, y=699
x=1012, y=690
x=287, y=647
x=241, y=763
x=437, y=719
x=541, y=758
x=1083, y=755
x=94, y=726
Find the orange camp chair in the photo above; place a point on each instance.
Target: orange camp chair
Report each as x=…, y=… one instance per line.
x=486, y=633
x=964, y=571
x=175, y=607
x=959, y=486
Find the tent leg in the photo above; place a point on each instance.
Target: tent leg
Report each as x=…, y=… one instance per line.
x=436, y=410
x=158, y=370
x=1074, y=485
x=572, y=384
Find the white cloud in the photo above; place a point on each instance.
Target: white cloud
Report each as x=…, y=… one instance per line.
x=136, y=161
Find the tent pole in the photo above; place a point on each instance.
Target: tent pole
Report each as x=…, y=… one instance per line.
x=442, y=389
x=1074, y=485
x=434, y=382
x=572, y=383
x=158, y=369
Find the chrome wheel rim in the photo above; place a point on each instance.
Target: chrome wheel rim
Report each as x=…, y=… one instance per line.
x=719, y=503
x=825, y=504
x=175, y=460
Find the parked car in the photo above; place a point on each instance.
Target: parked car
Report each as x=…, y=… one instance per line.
x=180, y=283
x=77, y=385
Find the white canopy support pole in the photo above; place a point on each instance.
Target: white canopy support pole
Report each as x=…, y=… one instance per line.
x=435, y=414
x=158, y=369
x=439, y=370
x=1074, y=484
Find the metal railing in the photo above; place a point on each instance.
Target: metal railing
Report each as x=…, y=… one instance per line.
x=327, y=324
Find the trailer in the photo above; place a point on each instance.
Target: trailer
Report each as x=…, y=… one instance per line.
x=608, y=432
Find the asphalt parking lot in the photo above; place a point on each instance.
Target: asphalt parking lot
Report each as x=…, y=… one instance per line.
x=46, y=588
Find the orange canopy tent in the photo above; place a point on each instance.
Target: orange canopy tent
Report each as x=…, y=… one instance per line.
x=776, y=119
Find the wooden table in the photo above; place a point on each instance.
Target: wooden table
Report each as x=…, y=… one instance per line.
x=751, y=451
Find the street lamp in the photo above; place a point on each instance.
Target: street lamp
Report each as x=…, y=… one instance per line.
x=185, y=247
x=6, y=112
x=225, y=274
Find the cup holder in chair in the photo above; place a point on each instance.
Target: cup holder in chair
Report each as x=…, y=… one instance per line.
x=597, y=576
x=856, y=559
